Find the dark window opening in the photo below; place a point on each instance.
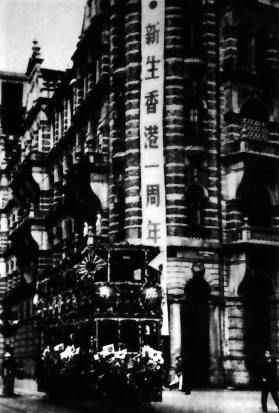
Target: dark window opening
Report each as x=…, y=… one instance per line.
x=255, y=290
x=127, y=265
x=254, y=109
x=252, y=50
x=195, y=320
x=107, y=333
x=195, y=200
x=194, y=121
x=195, y=116
x=12, y=108
x=59, y=234
x=193, y=29
x=120, y=205
x=120, y=108
x=69, y=229
x=255, y=204
x=129, y=336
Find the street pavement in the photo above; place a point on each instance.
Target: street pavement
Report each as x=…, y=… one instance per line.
x=206, y=401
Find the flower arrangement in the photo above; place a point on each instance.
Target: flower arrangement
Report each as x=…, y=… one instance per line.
x=65, y=372
x=116, y=375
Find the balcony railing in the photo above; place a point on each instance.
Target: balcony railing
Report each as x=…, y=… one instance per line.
x=270, y=149
x=253, y=235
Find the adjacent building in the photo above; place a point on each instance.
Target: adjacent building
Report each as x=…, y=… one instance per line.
x=159, y=146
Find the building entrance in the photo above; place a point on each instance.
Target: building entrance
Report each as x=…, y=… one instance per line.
x=255, y=291
x=195, y=331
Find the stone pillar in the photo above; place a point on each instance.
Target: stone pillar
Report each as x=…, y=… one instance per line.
x=175, y=334
x=216, y=376
x=272, y=52
x=229, y=34
x=174, y=120
x=113, y=40
x=212, y=219
x=133, y=217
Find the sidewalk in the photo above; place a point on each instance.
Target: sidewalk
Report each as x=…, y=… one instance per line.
x=26, y=386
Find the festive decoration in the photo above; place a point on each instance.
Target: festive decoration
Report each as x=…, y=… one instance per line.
x=73, y=304
x=151, y=297
x=111, y=374
x=91, y=264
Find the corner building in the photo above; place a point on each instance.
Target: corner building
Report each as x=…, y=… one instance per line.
x=162, y=137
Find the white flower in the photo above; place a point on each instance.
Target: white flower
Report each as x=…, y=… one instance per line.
x=145, y=351
x=121, y=354
x=75, y=350
x=157, y=357
x=59, y=347
x=46, y=351
x=66, y=353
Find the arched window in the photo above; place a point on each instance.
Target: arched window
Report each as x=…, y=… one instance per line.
x=255, y=203
x=195, y=200
x=195, y=318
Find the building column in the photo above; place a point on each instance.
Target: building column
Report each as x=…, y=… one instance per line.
x=215, y=346
x=175, y=334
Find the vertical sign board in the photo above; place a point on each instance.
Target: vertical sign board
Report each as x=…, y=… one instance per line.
x=151, y=134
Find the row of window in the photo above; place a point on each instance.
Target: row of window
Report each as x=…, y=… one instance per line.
x=256, y=40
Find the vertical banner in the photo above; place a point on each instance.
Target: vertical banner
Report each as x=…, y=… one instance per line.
x=151, y=134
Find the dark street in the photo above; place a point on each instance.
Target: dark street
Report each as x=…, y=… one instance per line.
x=217, y=401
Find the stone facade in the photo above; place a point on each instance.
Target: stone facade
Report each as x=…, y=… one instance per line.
x=76, y=175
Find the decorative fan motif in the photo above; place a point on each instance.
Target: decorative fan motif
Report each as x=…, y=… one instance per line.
x=90, y=265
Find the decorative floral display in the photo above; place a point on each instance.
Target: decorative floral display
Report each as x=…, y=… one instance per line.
x=111, y=374
x=74, y=305
x=91, y=264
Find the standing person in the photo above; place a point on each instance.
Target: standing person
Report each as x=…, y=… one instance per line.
x=179, y=372
x=177, y=381
x=269, y=381
x=187, y=375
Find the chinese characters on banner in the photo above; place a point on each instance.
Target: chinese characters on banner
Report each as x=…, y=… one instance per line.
x=151, y=133
x=151, y=124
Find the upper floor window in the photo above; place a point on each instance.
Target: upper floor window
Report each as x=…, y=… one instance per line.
x=195, y=201
x=194, y=117
x=193, y=28
x=255, y=203
x=120, y=204
x=194, y=120
x=12, y=112
x=252, y=49
x=120, y=56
